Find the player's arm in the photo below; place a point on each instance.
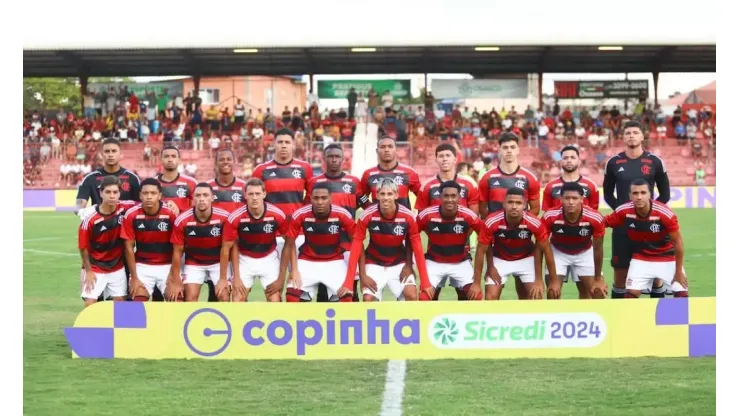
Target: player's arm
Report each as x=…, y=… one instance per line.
x=594, y=198
x=483, y=193
x=356, y=255
x=227, y=245
x=421, y=200
x=418, y=254
x=663, y=184
x=610, y=183
x=485, y=236
x=83, y=243
x=547, y=198
x=598, y=257
x=615, y=219
x=543, y=248
x=674, y=232
x=288, y=256
x=83, y=194
x=474, y=199
x=534, y=197
x=129, y=241
x=135, y=183
x=174, y=280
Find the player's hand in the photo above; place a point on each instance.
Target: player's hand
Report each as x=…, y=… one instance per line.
x=274, y=287
x=431, y=291
x=474, y=292
x=174, y=289
x=599, y=289
x=493, y=274
x=555, y=288
x=368, y=283
x=133, y=284
x=406, y=271
x=343, y=291
x=90, y=280
x=680, y=278
x=221, y=286
x=295, y=278
x=538, y=289
x=173, y=207
x=237, y=285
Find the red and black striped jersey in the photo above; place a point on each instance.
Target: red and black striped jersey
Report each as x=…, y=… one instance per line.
x=512, y=243
x=323, y=236
x=430, y=195
x=100, y=235
x=345, y=191
x=387, y=235
x=551, y=194
x=494, y=184
x=228, y=197
x=152, y=234
x=448, y=237
x=256, y=237
x=180, y=191
x=202, y=240
x=285, y=183
x=404, y=176
x=650, y=234
x=573, y=237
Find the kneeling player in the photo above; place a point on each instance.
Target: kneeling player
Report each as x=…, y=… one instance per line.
x=254, y=227
x=321, y=256
x=448, y=227
x=511, y=231
x=387, y=261
x=100, y=246
x=658, y=251
x=577, y=237
x=148, y=226
x=198, y=233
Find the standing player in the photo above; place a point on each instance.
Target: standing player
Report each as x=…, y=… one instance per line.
x=250, y=244
x=577, y=238
x=198, y=233
x=634, y=163
x=658, y=251
x=345, y=192
x=177, y=189
x=321, y=258
x=511, y=232
x=448, y=227
x=148, y=226
x=388, y=167
x=100, y=245
x=387, y=261
x=431, y=194
x=570, y=163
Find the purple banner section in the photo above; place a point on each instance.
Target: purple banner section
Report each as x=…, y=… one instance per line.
x=38, y=198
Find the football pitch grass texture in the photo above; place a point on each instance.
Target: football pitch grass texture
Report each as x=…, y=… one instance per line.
x=56, y=384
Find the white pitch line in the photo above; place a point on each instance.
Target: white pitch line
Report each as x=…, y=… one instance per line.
x=53, y=253
x=33, y=240
x=395, y=381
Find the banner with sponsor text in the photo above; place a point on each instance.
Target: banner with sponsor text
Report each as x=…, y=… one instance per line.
x=480, y=88
x=396, y=330
x=399, y=88
x=602, y=89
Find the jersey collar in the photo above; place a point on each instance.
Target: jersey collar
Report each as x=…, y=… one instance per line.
x=264, y=212
x=210, y=214
x=509, y=174
x=340, y=176
x=388, y=170
x=439, y=209
x=215, y=180
x=283, y=164
x=565, y=219
x=161, y=178
x=393, y=217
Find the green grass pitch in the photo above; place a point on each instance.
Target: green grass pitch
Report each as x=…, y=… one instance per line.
x=56, y=384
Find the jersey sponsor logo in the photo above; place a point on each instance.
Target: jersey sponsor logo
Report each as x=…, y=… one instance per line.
x=435, y=229
x=245, y=228
x=334, y=229
x=502, y=235
x=436, y=193
x=272, y=174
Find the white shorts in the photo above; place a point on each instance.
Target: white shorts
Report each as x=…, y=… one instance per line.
x=460, y=274
x=266, y=269
x=153, y=275
x=523, y=269
x=330, y=273
x=197, y=274
x=579, y=264
x=280, y=243
x=113, y=284
x=346, y=260
x=388, y=276
x=641, y=274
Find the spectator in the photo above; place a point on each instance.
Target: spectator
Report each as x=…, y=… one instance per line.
x=680, y=131
x=190, y=169
x=691, y=130
x=661, y=133
x=198, y=139
x=387, y=100
x=699, y=174
x=213, y=144
x=44, y=152
x=361, y=109
x=351, y=102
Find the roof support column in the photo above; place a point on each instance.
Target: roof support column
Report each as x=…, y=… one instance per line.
x=656, y=75
x=196, y=83
x=310, y=83
x=539, y=90
x=83, y=92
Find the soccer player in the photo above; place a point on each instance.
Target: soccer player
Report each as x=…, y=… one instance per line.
x=653, y=232
x=577, y=239
x=388, y=167
x=570, y=163
x=148, y=226
x=430, y=193
x=250, y=244
x=448, y=227
x=100, y=245
x=198, y=233
x=387, y=261
x=177, y=189
x=321, y=258
x=514, y=254
x=345, y=192
x=634, y=163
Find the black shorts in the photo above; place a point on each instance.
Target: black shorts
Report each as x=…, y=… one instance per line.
x=621, y=249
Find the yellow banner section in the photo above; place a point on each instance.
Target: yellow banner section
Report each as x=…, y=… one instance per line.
x=397, y=330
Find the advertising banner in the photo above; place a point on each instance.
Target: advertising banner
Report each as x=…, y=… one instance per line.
x=173, y=88
x=396, y=330
x=399, y=88
x=602, y=89
x=480, y=88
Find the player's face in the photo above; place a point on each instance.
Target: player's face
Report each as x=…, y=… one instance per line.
x=450, y=199
x=170, y=160
x=572, y=202
x=333, y=160
x=150, y=196
x=570, y=161
x=632, y=137
x=640, y=196
x=284, y=147
x=111, y=154
x=225, y=163
x=509, y=151
x=255, y=196
x=202, y=199
x=514, y=206
x=446, y=160
x=386, y=198
x=387, y=150
x=321, y=201
x=110, y=195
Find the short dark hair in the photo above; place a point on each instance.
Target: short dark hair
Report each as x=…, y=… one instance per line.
x=153, y=182
x=508, y=137
x=170, y=147
x=570, y=147
x=631, y=124
x=233, y=156
x=204, y=185
x=333, y=146
x=110, y=181
x=571, y=187
x=445, y=146
x=321, y=185
x=254, y=182
x=285, y=132
x=111, y=141
x=639, y=182
x=449, y=184
x=387, y=137
x=515, y=191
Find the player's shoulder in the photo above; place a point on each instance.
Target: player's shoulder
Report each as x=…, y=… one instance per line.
x=488, y=173
x=220, y=213
x=136, y=208
x=212, y=182
x=184, y=216
x=272, y=209
x=663, y=209
x=240, y=182
x=495, y=217
x=552, y=214
x=429, y=182
x=187, y=178
x=553, y=182
x=90, y=218
x=131, y=174
x=528, y=173
x=592, y=214
x=532, y=220
x=655, y=158
x=467, y=212
x=589, y=182
x=427, y=212
x=406, y=168
x=263, y=165
x=369, y=211
x=407, y=213
x=91, y=176
x=614, y=159
x=470, y=183
x=302, y=211
x=341, y=211
x=627, y=206
x=238, y=213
